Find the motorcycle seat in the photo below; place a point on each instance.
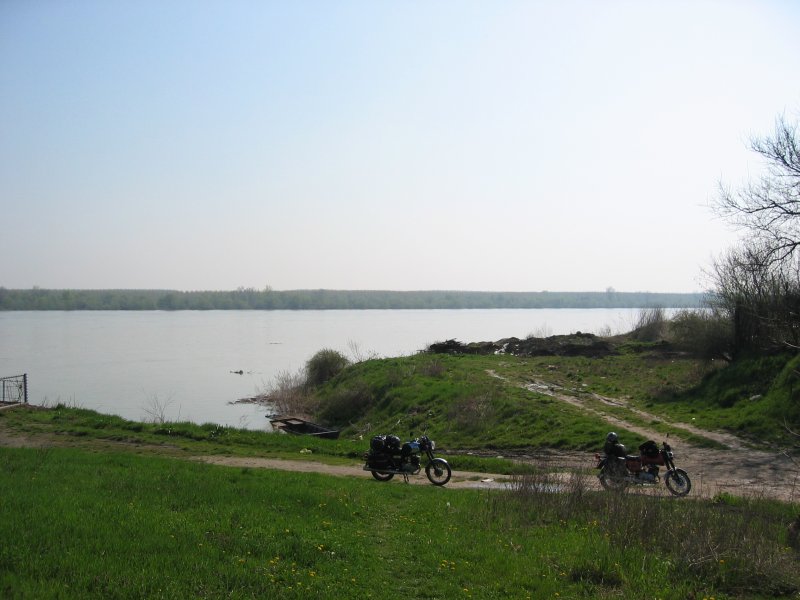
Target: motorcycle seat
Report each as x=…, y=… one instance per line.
x=632, y=457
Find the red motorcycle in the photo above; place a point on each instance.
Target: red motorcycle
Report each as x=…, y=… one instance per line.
x=616, y=472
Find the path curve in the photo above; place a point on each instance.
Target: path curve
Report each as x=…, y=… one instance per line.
x=737, y=469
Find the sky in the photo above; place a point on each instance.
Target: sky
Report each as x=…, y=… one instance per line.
x=396, y=145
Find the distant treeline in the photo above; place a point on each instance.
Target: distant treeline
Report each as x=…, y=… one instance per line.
x=251, y=299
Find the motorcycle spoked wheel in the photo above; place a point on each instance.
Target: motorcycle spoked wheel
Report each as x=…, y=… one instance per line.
x=678, y=482
x=382, y=476
x=438, y=471
x=610, y=481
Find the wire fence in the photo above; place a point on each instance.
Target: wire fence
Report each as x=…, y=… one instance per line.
x=14, y=389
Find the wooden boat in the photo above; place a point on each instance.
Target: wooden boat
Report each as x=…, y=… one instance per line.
x=302, y=427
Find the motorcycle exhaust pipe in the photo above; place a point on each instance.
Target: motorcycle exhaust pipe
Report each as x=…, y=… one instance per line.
x=392, y=471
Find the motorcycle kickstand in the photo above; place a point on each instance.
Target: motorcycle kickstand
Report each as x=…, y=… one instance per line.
x=405, y=477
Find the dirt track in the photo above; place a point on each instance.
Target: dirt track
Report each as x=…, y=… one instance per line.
x=460, y=479
x=737, y=470
x=712, y=471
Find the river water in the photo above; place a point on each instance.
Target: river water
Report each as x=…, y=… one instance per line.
x=183, y=364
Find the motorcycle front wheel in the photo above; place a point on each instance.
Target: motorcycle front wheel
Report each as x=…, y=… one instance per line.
x=382, y=476
x=678, y=482
x=438, y=471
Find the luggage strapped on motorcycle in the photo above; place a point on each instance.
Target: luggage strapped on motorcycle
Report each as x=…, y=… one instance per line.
x=649, y=448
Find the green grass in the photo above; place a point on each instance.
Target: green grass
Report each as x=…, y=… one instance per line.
x=462, y=406
x=87, y=524
x=753, y=397
x=75, y=423
x=89, y=429
x=457, y=399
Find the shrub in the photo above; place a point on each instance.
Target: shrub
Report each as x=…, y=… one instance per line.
x=705, y=334
x=287, y=394
x=650, y=325
x=345, y=405
x=784, y=394
x=473, y=413
x=433, y=368
x=324, y=366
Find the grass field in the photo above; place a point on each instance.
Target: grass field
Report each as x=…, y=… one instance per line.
x=79, y=523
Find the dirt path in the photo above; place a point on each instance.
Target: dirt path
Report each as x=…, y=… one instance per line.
x=460, y=479
x=737, y=469
x=16, y=439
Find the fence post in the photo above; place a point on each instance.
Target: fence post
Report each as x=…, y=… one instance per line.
x=25, y=386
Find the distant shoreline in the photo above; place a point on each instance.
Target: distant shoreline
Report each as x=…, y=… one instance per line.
x=251, y=299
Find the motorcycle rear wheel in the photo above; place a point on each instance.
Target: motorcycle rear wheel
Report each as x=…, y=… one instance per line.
x=382, y=476
x=610, y=481
x=678, y=482
x=438, y=471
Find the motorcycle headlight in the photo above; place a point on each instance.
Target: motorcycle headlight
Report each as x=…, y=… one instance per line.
x=670, y=454
x=433, y=445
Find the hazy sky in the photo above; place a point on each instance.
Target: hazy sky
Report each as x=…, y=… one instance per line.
x=493, y=145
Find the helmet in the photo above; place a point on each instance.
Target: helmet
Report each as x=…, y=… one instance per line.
x=612, y=437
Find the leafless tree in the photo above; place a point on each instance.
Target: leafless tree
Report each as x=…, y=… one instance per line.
x=758, y=283
x=768, y=209
x=760, y=296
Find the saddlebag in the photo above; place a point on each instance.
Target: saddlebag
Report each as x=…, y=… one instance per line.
x=392, y=444
x=649, y=449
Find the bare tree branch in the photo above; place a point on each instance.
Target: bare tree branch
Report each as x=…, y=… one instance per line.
x=768, y=209
x=758, y=283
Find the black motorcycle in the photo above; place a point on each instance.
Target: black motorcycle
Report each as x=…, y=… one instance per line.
x=387, y=458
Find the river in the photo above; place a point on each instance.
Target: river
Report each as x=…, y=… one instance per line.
x=184, y=364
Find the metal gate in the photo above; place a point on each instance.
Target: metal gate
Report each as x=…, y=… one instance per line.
x=14, y=390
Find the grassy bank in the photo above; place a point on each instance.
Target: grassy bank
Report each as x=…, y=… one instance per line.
x=504, y=402
x=89, y=429
x=87, y=524
x=497, y=404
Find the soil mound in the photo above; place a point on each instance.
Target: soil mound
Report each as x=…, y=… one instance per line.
x=575, y=344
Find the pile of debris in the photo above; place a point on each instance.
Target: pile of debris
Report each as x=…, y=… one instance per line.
x=575, y=344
